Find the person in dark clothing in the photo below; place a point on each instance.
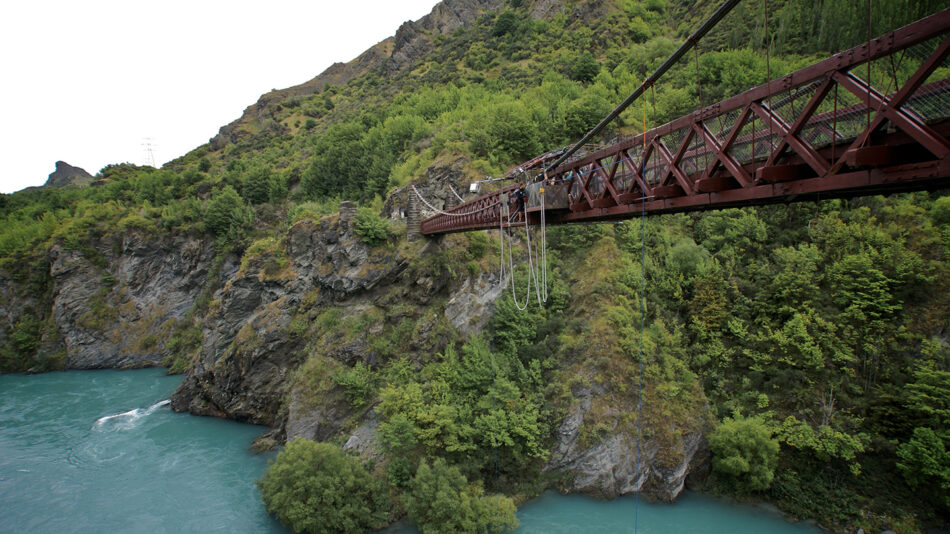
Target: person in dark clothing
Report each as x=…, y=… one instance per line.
x=520, y=197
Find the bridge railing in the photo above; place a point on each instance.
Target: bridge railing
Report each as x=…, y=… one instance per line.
x=870, y=119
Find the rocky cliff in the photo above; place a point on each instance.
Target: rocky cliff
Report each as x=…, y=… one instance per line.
x=65, y=174
x=116, y=309
x=112, y=304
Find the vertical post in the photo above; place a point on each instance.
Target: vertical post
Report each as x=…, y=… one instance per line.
x=413, y=217
x=347, y=211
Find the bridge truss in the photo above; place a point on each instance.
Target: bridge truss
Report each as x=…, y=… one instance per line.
x=869, y=120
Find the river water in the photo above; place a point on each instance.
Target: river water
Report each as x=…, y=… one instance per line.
x=101, y=451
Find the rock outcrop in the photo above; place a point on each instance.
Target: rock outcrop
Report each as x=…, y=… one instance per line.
x=111, y=310
x=65, y=174
x=617, y=462
x=250, y=348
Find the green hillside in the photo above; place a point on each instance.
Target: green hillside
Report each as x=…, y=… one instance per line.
x=806, y=343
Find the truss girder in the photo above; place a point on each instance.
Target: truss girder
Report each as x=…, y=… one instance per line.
x=811, y=155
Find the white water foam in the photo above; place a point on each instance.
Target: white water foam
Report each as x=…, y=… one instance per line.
x=128, y=419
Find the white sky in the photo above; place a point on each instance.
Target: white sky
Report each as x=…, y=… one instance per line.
x=88, y=81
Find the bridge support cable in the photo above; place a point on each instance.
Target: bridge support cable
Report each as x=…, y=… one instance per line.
x=691, y=41
x=448, y=213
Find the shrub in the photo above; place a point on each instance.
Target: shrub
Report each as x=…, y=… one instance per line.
x=585, y=68
x=26, y=335
x=506, y=22
x=227, y=216
x=359, y=383
x=440, y=500
x=744, y=453
x=256, y=185
x=370, y=227
x=316, y=487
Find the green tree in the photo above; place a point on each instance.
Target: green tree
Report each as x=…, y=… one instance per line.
x=506, y=22
x=338, y=165
x=256, y=185
x=370, y=227
x=227, y=216
x=744, y=453
x=441, y=500
x=584, y=68
x=924, y=461
x=315, y=487
x=26, y=335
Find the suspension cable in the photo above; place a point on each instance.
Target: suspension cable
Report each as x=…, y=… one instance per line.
x=703, y=29
x=452, y=189
x=441, y=212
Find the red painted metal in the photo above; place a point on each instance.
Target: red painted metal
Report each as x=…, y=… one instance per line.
x=779, y=142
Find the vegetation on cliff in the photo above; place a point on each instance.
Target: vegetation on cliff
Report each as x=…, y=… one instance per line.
x=809, y=342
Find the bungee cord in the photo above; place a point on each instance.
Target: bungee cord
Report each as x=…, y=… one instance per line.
x=537, y=260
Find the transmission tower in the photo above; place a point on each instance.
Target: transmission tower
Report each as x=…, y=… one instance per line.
x=148, y=144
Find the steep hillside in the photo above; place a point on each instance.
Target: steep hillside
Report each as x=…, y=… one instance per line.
x=797, y=354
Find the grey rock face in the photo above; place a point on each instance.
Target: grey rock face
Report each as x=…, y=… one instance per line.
x=248, y=352
x=364, y=439
x=617, y=464
x=469, y=308
x=105, y=313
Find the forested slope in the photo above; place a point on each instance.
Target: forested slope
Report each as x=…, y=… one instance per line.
x=793, y=353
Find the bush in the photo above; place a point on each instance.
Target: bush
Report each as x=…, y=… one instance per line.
x=506, y=22
x=744, y=453
x=926, y=464
x=227, y=216
x=316, y=487
x=359, y=383
x=26, y=335
x=370, y=227
x=440, y=500
x=585, y=68
x=256, y=185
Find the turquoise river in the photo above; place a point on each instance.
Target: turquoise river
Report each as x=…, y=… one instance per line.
x=101, y=451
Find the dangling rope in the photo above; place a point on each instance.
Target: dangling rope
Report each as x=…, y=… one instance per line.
x=537, y=269
x=511, y=267
x=699, y=86
x=868, y=106
x=768, y=74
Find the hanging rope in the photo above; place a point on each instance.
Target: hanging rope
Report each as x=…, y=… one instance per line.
x=702, y=105
x=511, y=263
x=768, y=72
x=868, y=124
x=537, y=266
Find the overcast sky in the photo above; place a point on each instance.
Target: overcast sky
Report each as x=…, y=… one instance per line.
x=87, y=82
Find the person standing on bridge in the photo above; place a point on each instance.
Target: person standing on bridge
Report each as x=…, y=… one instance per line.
x=520, y=197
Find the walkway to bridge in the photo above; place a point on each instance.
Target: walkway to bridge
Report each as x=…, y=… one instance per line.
x=824, y=131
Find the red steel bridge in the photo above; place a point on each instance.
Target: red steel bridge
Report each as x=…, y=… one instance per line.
x=873, y=119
